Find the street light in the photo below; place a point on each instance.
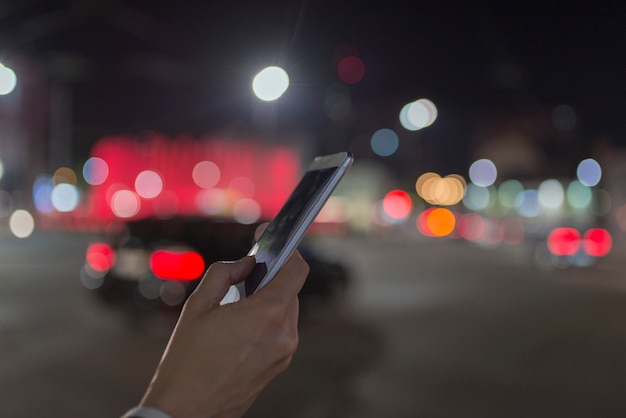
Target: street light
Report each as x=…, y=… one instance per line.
x=269, y=84
x=8, y=80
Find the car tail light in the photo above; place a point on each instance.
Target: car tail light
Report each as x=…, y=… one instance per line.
x=100, y=256
x=564, y=241
x=176, y=265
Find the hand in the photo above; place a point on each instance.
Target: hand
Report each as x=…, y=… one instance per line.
x=219, y=358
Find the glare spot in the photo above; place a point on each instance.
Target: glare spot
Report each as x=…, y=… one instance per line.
x=247, y=211
x=269, y=84
x=384, y=142
x=564, y=118
x=589, y=172
x=551, y=194
x=578, y=195
x=476, y=198
x=483, y=173
x=508, y=191
x=95, y=171
x=206, y=174
x=125, y=204
x=65, y=197
x=8, y=80
x=351, y=69
x=21, y=223
x=148, y=184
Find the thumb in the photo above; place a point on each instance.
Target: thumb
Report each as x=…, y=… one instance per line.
x=219, y=277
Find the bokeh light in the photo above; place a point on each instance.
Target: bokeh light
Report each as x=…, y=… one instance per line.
x=247, y=211
x=21, y=223
x=471, y=226
x=148, y=184
x=418, y=114
x=384, y=142
x=351, y=69
x=508, y=192
x=125, y=204
x=564, y=118
x=206, y=174
x=42, y=192
x=242, y=186
x=551, y=194
x=597, y=242
x=477, y=198
x=8, y=80
x=578, y=195
x=445, y=191
x=213, y=202
x=271, y=83
x=527, y=203
x=95, y=171
x=397, y=205
x=65, y=197
x=483, y=172
x=589, y=172
x=64, y=175
x=440, y=222
x=563, y=241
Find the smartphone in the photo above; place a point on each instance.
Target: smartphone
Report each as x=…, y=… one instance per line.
x=286, y=230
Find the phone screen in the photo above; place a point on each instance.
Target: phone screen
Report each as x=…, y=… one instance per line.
x=279, y=231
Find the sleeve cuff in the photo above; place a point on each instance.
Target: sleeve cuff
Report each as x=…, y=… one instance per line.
x=145, y=412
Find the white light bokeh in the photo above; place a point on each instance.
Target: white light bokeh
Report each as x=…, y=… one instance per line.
x=22, y=223
x=508, y=191
x=206, y=174
x=247, y=211
x=148, y=184
x=527, y=203
x=483, y=172
x=551, y=194
x=8, y=80
x=589, y=172
x=125, y=204
x=269, y=84
x=65, y=197
x=418, y=114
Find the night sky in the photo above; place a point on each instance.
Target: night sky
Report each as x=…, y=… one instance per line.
x=144, y=65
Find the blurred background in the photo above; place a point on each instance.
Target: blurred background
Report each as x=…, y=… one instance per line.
x=471, y=264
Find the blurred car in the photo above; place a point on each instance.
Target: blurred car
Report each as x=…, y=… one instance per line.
x=155, y=264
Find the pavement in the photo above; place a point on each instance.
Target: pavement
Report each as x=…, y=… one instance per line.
x=428, y=328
